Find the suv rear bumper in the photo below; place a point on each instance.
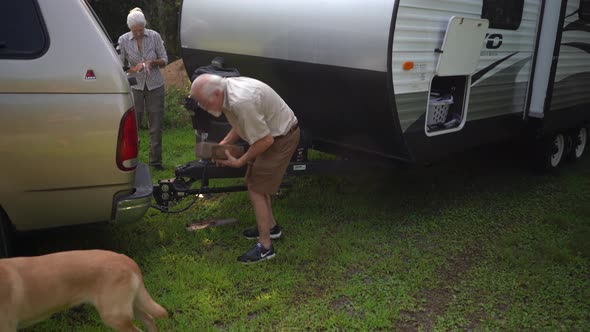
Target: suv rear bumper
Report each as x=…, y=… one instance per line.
x=132, y=207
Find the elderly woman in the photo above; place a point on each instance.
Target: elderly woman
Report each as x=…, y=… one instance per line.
x=143, y=50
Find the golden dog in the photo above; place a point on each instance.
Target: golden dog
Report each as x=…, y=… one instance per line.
x=33, y=288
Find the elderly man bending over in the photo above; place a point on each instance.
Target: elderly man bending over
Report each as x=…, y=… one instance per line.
x=259, y=116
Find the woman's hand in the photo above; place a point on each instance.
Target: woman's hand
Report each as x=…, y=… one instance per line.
x=138, y=68
x=147, y=65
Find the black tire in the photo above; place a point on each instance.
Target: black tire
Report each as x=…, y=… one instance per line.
x=579, y=141
x=549, y=152
x=6, y=236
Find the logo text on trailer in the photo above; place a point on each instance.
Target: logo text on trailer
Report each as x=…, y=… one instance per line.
x=493, y=41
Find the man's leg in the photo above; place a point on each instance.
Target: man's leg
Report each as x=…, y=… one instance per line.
x=273, y=222
x=274, y=230
x=264, y=219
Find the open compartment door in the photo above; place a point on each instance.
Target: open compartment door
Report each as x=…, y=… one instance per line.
x=462, y=46
x=450, y=86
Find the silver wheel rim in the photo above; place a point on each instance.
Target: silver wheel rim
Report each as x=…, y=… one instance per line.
x=559, y=142
x=582, y=137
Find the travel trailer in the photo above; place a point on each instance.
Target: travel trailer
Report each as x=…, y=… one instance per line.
x=411, y=80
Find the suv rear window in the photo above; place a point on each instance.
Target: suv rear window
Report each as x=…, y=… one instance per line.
x=22, y=30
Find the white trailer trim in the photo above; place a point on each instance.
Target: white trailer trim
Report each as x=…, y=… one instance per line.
x=545, y=58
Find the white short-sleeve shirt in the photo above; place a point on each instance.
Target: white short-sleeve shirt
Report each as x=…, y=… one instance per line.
x=255, y=109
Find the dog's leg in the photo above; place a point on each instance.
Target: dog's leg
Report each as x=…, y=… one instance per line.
x=147, y=320
x=117, y=316
x=115, y=306
x=120, y=324
x=145, y=309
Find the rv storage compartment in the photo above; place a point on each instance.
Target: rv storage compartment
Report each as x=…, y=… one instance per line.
x=446, y=103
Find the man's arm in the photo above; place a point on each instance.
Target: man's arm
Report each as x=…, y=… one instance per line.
x=254, y=151
x=231, y=137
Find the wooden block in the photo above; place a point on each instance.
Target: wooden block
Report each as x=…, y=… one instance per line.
x=209, y=223
x=207, y=150
x=218, y=151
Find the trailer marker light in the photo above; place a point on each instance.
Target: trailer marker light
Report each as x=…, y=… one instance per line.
x=408, y=65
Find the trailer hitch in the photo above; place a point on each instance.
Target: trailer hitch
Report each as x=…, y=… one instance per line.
x=171, y=191
x=168, y=193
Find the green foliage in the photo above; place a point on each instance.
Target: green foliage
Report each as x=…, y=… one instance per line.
x=470, y=244
x=175, y=115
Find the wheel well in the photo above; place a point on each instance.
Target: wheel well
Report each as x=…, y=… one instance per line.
x=5, y=218
x=6, y=235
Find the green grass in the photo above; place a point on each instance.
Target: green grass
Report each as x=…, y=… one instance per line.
x=476, y=242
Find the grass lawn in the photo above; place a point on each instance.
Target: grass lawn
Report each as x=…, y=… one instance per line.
x=475, y=242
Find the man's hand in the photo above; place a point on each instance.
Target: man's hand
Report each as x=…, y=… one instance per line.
x=254, y=151
x=231, y=137
x=231, y=161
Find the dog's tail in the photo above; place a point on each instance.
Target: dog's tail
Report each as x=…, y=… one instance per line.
x=145, y=303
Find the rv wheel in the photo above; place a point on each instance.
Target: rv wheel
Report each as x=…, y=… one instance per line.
x=579, y=138
x=549, y=152
x=556, y=148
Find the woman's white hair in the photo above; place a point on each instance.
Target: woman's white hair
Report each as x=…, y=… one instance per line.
x=135, y=18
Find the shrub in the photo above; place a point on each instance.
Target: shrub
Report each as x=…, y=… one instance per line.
x=175, y=115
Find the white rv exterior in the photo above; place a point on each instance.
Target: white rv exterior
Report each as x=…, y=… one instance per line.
x=573, y=65
x=363, y=76
x=500, y=90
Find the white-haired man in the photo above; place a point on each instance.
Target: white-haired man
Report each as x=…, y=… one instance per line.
x=259, y=116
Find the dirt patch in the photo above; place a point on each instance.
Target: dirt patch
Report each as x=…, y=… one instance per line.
x=437, y=300
x=344, y=304
x=175, y=75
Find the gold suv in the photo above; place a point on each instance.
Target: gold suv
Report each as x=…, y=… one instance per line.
x=68, y=136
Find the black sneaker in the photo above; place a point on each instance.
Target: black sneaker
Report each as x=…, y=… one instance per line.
x=275, y=233
x=257, y=254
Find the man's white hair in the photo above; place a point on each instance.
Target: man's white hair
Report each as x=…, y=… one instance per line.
x=211, y=84
x=135, y=18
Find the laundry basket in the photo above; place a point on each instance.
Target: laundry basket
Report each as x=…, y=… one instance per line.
x=438, y=108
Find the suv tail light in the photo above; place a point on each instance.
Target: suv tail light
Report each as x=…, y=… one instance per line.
x=127, y=144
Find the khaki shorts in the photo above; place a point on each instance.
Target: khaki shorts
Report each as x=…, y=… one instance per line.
x=265, y=174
